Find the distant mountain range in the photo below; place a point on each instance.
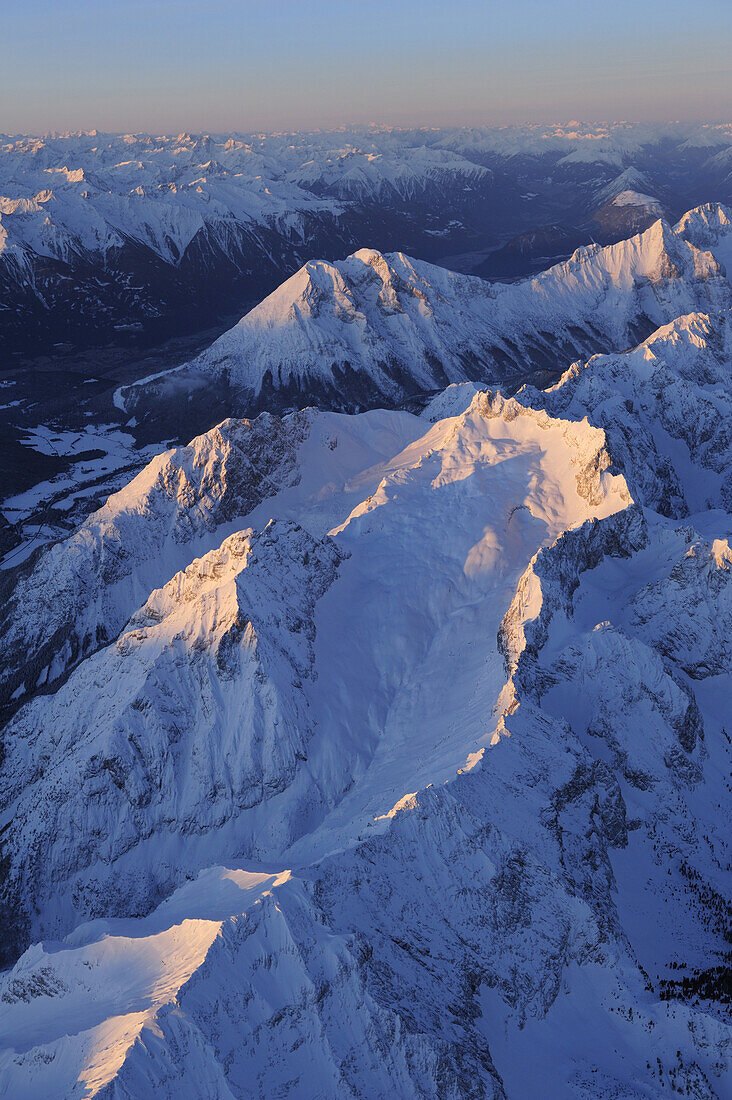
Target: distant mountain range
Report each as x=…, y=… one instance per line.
x=137, y=237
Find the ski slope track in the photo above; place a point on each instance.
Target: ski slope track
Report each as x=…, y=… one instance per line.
x=387, y=753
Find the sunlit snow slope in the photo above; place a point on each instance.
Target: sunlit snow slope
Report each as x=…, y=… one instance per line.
x=381, y=329
x=388, y=754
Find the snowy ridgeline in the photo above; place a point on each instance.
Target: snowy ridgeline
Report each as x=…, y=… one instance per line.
x=103, y=235
x=387, y=754
x=379, y=329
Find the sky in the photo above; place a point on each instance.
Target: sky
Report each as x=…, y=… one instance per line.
x=226, y=65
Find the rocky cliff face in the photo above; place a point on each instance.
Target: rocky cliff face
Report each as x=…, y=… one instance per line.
x=665, y=406
x=86, y=588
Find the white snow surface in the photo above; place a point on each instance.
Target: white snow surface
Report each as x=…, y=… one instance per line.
x=388, y=754
x=389, y=326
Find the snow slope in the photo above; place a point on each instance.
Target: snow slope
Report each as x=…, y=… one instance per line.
x=206, y=719
x=388, y=754
x=378, y=329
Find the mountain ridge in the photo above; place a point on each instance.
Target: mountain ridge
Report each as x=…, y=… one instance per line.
x=376, y=329
x=353, y=753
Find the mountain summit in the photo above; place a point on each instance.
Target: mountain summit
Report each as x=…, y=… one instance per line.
x=383, y=329
x=386, y=752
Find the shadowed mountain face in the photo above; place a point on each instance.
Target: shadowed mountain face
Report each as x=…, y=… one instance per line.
x=134, y=238
x=385, y=752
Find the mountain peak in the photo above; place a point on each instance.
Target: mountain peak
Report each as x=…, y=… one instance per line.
x=462, y=663
x=629, y=181
x=714, y=215
x=380, y=328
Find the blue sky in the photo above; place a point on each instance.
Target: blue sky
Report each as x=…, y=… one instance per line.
x=238, y=64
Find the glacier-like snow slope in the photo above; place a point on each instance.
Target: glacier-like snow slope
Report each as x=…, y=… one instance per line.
x=234, y=686
x=377, y=329
x=413, y=778
x=389, y=754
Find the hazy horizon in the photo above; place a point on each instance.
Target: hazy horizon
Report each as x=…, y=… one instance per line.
x=246, y=67
x=376, y=127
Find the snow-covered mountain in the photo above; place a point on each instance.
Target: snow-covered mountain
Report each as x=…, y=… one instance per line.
x=377, y=329
x=105, y=236
x=387, y=753
x=226, y=679
x=628, y=212
x=398, y=175
x=665, y=407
